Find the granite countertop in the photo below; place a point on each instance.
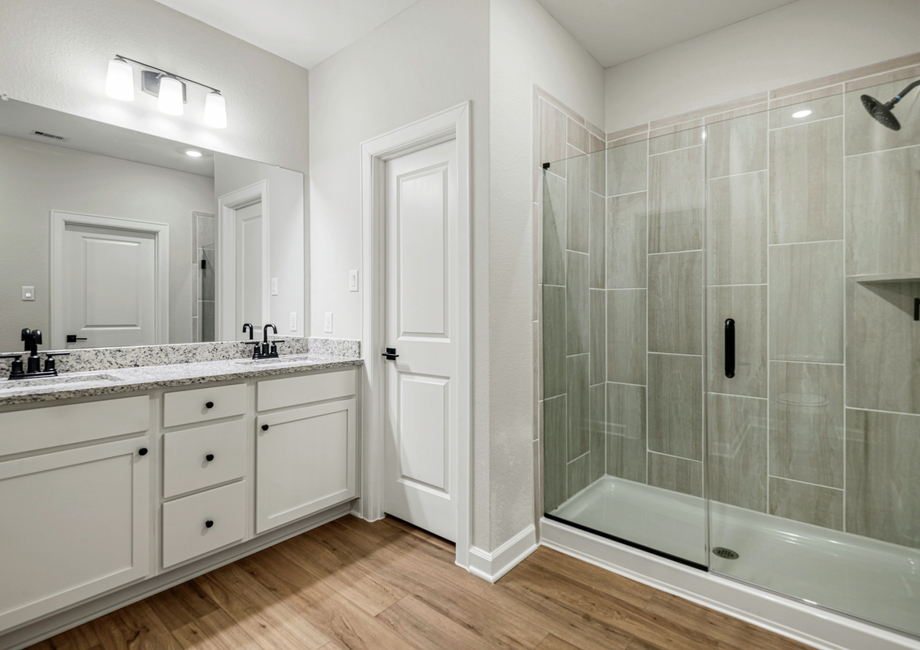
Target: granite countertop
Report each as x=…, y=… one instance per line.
x=127, y=380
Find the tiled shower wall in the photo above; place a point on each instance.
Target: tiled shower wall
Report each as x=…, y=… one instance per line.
x=822, y=421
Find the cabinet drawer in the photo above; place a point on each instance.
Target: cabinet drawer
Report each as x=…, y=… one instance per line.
x=294, y=391
x=185, y=457
x=191, y=406
x=185, y=531
x=55, y=426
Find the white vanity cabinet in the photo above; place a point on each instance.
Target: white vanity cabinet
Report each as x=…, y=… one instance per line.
x=74, y=504
x=306, y=455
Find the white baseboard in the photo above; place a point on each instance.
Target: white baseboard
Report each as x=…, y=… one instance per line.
x=44, y=628
x=805, y=623
x=492, y=566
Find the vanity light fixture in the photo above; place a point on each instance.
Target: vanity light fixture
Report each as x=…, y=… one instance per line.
x=800, y=114
x=169, y=89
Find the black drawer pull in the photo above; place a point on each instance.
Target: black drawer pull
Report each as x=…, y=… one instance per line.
x=209, y=405
x=729, y=348
x=209, y=457
x=208, y=523
x=142, y=451
x=264, y=427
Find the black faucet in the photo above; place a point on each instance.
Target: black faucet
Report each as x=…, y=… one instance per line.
x=249, y=327
x=266, y=349
x=32, y=339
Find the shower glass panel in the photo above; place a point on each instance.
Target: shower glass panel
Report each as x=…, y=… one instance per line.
x=731, y=348
x=812, y=241
x=623, y=344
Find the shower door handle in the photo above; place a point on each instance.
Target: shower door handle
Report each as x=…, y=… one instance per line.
x=729, y=347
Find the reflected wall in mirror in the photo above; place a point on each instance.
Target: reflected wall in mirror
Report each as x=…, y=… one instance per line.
x=110, y=237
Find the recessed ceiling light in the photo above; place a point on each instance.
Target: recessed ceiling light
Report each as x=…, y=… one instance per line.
x=800, y=114
x=193, y=153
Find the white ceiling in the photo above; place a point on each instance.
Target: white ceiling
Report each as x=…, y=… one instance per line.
x=615, y=31
x=302, y=31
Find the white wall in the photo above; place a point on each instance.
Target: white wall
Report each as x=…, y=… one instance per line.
x=36, y=178
x=527, y=47
x=805, y=40
x=285, y=223
x=55, y=54
x=432, y=56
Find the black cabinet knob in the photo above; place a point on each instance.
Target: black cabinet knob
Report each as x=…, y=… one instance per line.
x=264, y=427
x=209, y=405
x=209, y=457
x=142, y=451
x=208, y=523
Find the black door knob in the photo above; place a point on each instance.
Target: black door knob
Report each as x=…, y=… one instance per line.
x=209, y=457
x=208, y=523
x=142, y=451
x=209, y=405
x=264, y=427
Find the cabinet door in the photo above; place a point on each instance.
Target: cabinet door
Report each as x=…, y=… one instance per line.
x=74, y=525
x=305, y=462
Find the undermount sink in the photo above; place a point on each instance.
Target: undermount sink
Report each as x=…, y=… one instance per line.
x=288, y=358
x=77, y=378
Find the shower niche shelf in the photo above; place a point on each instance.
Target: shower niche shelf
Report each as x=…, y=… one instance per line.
x=886, y=277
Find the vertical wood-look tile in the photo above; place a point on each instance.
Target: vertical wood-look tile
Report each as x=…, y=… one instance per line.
x=737, y=229
x=576, y=135
x=597, y=166
x=737, y=145
x=883, y=212
x=677, y=140
x=577, y=475
x=626, y=336
x=555, y=431
x=806, y=302
x=675, y=303
x=576, y=304
x=737, y=462
x=676, y=201
x=675, y=474
x=554, y=341
x=627, y=241
x=597, y=244
x=811, y=504
x=675, y=405
x=576, y=204
x=821, y=108
x=553, y=137
x=553, y=229
x=806, y=182
x=883, y=476
x=627, y=168
x=626, y=439
x=598, y=350
x=597, y=398
x=578, y=407
x=807, y=422
x=747, y=306
x=883, y=346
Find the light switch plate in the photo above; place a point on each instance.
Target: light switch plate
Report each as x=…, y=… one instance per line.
x=327, y=323
x=274, y=286
x=28, y=293
x=353, y=280
x=293, y=327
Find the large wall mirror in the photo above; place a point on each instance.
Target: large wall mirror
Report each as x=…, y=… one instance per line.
x=111, y=237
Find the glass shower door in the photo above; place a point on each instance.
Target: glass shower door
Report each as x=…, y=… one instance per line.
x=813, y=355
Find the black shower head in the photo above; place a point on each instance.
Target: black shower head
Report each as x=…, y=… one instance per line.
x=882, y=112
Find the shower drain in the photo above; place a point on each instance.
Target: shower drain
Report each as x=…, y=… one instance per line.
x=725, y=553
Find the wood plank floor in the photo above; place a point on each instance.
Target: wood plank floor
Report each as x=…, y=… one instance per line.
x=352, y=584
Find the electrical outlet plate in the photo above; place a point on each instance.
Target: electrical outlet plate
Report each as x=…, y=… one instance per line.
x=327, y=323
x=28, y=293
x=353, y=280
x=274, y=286
x=293, y=327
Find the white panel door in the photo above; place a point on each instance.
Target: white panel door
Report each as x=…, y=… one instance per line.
x=422, y=322
x=249, y=280
x=109, y=286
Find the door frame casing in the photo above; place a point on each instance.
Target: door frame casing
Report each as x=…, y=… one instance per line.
x=226, y=290
x=450, y=124
x=59, y=222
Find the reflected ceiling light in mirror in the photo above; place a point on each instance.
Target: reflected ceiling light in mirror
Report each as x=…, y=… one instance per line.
x=168, y=87
x=800, y=114
x=119, y=80
x=215, y=111
x=169, y=100
x=193, y=153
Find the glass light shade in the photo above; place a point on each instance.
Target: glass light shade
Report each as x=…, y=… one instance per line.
x=119, y=80
x=170, y=98
x=215, y=111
